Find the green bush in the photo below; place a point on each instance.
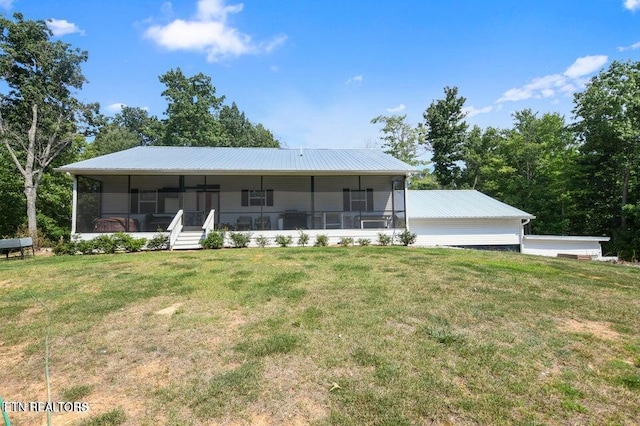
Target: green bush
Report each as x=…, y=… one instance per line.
x=322, y=240
x=159, y=241
x=384, y=239
x=105, y=244
x=126, y=242
x=364, y=242
x=262, y=241
x=64, y=247
x=215, y=240
x=239, y=239
x=406, y=237
x=303, y=239
x=346, y=241
x=85, y=247
x=284, y=240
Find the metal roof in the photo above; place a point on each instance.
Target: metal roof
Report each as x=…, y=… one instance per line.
x=192, y=160
x=457, y=204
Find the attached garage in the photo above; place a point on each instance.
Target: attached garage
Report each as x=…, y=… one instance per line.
x=464, y=218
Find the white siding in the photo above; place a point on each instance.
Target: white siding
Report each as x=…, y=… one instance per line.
x=457, y=232
x=561, y=245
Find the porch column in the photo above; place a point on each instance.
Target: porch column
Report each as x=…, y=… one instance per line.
x=128, y=203
x=181, y=192
x=313, y=203
x=406, y=209
x=74, y=205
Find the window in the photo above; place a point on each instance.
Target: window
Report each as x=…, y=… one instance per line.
x=256, y=197
x=148, y=201
x=357, y=199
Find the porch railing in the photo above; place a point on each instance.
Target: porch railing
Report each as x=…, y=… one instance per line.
x=175, y=227
x=209, y=223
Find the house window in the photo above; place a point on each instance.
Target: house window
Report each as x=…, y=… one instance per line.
x=257, y=197
x=148, y=201
x=358, y=199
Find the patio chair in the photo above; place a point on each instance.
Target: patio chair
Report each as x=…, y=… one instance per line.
x=244, y=223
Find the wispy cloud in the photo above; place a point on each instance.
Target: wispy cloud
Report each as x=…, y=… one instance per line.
x=6, y=4
x=549, y=86
x=397, y=109
x=209, y=32
x=632, y=5
x=634, y=46
x=60, y=27
x=356, y=79
x=472, y=111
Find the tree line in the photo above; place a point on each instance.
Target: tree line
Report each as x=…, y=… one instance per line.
x=577, y=178
x=43, y=125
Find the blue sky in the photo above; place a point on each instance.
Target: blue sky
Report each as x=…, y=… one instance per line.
x=316, y=72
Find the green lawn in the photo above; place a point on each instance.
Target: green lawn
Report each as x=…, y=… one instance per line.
x=363, y=335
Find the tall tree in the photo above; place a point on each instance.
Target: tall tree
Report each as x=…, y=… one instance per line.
x=239, y=131
x=147, y=128
x=192, y=106
x=399, y=138
x=608, y=124
x=38, y=113
x=444, y=133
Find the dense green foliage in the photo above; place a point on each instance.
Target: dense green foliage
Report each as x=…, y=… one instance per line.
x=577, y=178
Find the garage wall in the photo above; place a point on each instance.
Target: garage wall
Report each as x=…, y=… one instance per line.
x=466, y=232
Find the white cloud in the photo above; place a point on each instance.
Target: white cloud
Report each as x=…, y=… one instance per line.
x=117, y=107
x=472, y=111
x=6, y=4
x=210, y=33
x=397, y=109
x=632, y=5
x=60, y=27
x=586, y=65
x=548, y=86
x=634, y=46
x=356, y=79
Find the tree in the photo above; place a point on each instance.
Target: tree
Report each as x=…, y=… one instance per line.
x=444, y=132
x=39, y=114
x=239, y=131
x=191, y=111
x=146, y=128
x=608, y=125
x=399, y=138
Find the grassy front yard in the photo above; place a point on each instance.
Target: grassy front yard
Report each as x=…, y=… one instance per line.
x=369, y=335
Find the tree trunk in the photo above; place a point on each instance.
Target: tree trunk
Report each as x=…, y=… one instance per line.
x=31, y=193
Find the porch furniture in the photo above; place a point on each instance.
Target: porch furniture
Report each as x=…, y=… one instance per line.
x=293, y=219
x=379, y=220
x=333, y=220
x=16, y=244
x=154, y=221
x=115, y=224
x=263, y=223
x=244, y=223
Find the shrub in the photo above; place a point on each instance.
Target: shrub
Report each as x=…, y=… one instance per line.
x=364, y=242
x=346, y=241
x=105, y=244
x=262, y=241
x=214, y=240
x=407, y=237
x=126, y=242
x=384, y=239
x=63, y=247
x=85, y=247
x=284, y=240
x=159, y=241
x=322, y=240
x=239, y=239
x=303, y=239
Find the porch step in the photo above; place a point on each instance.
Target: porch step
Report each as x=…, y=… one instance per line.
x=188, y=240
